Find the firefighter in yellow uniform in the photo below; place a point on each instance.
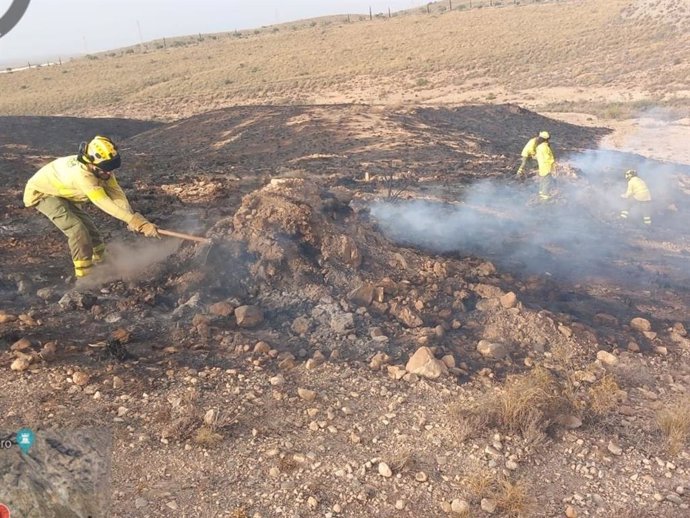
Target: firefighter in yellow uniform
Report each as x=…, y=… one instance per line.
x=637, y=196
x=547, y=162
x=58, y=189
x=528, y=152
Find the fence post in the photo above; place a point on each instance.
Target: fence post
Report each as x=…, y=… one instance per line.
x=450, y=5
x=371, y=17
x=428, y=9
x=389, y=12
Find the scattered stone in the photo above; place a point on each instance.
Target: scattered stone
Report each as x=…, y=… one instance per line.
x=342, y=323
x=679, y=329
x=221, y=309
x=615, y=449
x=489, y=505
x=278, y=380
x=20, y=364
x=118, y=383
x=492, y=350
x=140, y=503
x=571, y=422
x=121, y=335
x=249, y=316
x=362, y=296
x=80, y=378
x=306, y=395
x=408, y=316
x=423, y=363
x=21, y=345
x=660, y=349
x=485, y=269
x=48, y=351
x=75, y=299
x=396, y=372
x=460, y=507
x=47, y=294
x=641, y=324
x=449, y=361
x=312, y=502
x=421, y=477
x=570, y=512
x=511, y=465
x=262, y=348
x=633, y=347
x=674, y=498
x=274, y=472
x=379, y=360
x=384, y=470
x=301, y=325
x=607, y=358
x=509, y=300
x=6, y=318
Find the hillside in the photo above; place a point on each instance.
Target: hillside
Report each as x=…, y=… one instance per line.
x=618, y=55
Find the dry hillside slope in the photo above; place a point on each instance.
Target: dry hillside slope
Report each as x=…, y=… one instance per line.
x=589, y=51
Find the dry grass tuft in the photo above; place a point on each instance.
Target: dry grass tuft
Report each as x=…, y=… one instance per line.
x=206, y=437
x=674, y=423
x=514, y=499
x=603, y=395
x=529, y=401
x=480, y=484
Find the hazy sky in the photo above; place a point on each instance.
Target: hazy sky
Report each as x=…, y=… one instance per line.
x=53, y=28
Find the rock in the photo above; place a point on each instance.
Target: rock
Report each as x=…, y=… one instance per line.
x=21, y=345
x=615, y=449
x=606, y=320
x=460, y=507
x=121, y=335
x=249, y=316
x=423, y=363
x=607, y=358
x=342, y=323
x=641, y=324
x=301, y=325
x=278, y=380
x=492, y=350
x=571, y=422
x=485, y=269
x=306, y=395
x=511, y=465
x=379, y=360
x=633, y=347
x=408, y=316
x=274, y=472
x=396, y=372
x=221, y=309
x=75, y=299
x=488, y=291
x=6, y=318
x=80, y=378
x=362, y=296
x=20, y=364
x=421, y=477
x=384, y=470
x=679, y=329
x=509, y=300
x=489, y=505
x=118, y=383
x=48, y=351
x=312, y=502
x=140, y=503
x=674, y=498
x=47, y=294
x=660, y=349
x=570, y=512
x=449, y=361
x=262, y=348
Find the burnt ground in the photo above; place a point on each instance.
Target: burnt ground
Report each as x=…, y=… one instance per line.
x=347, y=278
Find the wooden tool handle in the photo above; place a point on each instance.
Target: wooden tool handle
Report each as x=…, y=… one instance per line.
x=180, y=235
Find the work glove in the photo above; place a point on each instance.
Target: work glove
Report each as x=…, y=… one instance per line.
x=140, y=224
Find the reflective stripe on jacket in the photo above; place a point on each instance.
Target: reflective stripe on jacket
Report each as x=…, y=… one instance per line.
x=638, y=189
x=545, y=159
x=70, y=179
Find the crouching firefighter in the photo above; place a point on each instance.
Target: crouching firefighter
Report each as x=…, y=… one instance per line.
x=637, y=197
x=58, y=189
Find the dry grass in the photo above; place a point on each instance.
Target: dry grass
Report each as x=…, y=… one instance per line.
x=481, y=483
x=514, y=499
x=206, y=437
x=603, y=395
x=464, y=50
x=674, y=423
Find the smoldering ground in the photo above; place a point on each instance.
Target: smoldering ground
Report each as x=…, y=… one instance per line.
x=578, y=236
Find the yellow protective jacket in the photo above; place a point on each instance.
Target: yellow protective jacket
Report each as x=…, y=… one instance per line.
x=70, y=179
x=530, y=149
x=638, y=190
x=545, y=159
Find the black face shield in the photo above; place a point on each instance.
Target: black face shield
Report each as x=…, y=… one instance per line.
x=110, y=165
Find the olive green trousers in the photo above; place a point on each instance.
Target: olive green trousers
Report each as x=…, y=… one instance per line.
x=84, y=240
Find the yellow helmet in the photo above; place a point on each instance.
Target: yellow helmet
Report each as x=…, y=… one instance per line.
x=630, y=173
x=545, y=135
x=101, y=152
